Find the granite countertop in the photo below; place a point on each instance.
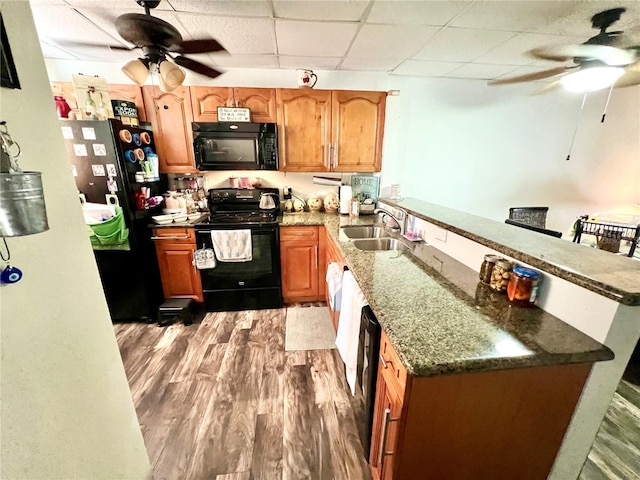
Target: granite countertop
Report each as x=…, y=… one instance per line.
x=441, y=320
x=613, y=276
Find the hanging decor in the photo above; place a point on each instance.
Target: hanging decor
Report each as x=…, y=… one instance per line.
x=22, y=208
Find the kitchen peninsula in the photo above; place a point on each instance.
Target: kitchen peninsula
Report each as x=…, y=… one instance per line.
x=440, y=328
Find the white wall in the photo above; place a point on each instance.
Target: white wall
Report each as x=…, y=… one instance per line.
x=66, y=406
x=484, y=149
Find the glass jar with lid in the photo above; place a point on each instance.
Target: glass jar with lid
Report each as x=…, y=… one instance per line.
x=487, y=267
x=522, y=289
x=500, y=275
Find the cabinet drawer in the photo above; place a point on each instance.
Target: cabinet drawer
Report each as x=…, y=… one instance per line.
x=393, y=369
x=298, y=233
x=174, y=234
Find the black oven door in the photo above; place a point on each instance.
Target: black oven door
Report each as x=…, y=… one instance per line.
x=244, y=285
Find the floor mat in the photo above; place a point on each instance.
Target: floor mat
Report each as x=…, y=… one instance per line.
x=309, y=328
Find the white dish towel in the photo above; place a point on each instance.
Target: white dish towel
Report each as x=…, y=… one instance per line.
x=334, y=285
x=232, y=245
x=349, y=326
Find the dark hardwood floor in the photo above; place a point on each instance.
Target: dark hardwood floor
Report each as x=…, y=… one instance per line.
x=615, y=454
x=222, y=400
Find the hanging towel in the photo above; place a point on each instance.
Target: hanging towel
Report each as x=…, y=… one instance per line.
x=349, y=326
x=111, y=234
x=232, y=245
x=334, y=285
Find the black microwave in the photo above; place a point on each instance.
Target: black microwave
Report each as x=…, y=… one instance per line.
x=235, y=146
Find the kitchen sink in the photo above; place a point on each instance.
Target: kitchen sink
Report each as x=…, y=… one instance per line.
x=371, y=244
x=363, y=232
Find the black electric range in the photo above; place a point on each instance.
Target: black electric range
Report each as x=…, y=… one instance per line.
x=242, y=285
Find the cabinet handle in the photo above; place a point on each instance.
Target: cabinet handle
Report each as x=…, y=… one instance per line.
x=335, y=155
x=173, y=237
x=384, y=363
x=328, y=155
x=166, y=107
x=386, y=419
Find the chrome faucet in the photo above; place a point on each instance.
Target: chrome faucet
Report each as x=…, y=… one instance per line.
x=400, y=218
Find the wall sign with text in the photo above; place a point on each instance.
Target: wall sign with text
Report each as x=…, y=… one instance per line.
x=232, y=114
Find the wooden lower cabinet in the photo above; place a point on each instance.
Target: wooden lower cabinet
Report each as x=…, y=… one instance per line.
x=301, y=251
x=174, y=248
x=333, y=255
x=498, y=425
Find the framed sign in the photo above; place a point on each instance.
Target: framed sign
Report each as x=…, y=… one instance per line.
x=9, y=76
x=232, y=114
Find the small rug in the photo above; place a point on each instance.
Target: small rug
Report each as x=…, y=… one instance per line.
x=309, y=328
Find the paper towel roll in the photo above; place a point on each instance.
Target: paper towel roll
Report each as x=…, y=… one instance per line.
x=346, y=194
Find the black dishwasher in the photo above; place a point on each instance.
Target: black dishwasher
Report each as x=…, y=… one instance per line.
x=367, y=372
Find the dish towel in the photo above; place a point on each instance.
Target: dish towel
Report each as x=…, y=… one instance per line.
x=349, y=326
x=232, y=245
x=334, y=285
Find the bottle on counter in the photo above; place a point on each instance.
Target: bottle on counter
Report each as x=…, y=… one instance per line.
x=487, y=267
x=500, y=275
x=522, y=289
x=354, y=208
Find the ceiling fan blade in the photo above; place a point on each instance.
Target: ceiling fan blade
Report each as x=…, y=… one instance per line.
x=202, y=45
x=608, y=55
x=197, y=67
x=550, y=87
x=529, y=77
x=630, y=77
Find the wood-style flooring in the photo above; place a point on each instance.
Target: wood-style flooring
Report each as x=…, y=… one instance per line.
x=615, y=454
x=222, y=400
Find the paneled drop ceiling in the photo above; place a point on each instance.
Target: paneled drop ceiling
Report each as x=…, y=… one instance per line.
x=454, y=39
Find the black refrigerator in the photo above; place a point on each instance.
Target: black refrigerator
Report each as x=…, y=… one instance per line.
x=108, y=163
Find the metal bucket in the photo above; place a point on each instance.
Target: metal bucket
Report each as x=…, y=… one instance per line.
x=22, y=209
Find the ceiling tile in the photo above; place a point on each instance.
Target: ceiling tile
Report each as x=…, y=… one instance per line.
x=77, y=28
x=238, y=35
x=328, y=10
x=461, y=44
x=370, y=64
x=420, y=68
x=244, y=61
x=128, y=5
x=249, y=8
x=514, y=16
x=313, y=63
x=415, y=13
x=388, y=41
x=481, y=71
x=49, y=51
x=314, y=38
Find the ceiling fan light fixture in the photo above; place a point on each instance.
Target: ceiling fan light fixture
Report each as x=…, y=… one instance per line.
x=171, y=74
x=591, y=79
x=137, y=71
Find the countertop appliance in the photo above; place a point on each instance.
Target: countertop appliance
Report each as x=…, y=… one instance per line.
x=104, y=166
x=367, y=372
x=244, y=285
x=235, y=146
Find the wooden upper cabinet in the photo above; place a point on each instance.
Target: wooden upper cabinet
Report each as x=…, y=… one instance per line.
x=358, y=125
x=206, y=100
x=130, y=93
x=304, y=130
x=261, y=102
x=171, y=117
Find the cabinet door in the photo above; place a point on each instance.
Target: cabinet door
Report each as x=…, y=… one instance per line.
x=129, y=93
x=385, y=429
x=304, y=121
x=179, y=276
x=206, y=100
x=261, y=102
x=170, y=114
x=332, y=255
x=358, y=126
x=299, y=261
